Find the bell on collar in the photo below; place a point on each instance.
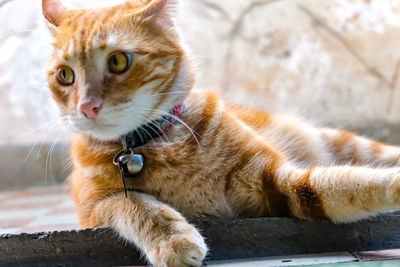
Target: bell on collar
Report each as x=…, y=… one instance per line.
x=129, y=163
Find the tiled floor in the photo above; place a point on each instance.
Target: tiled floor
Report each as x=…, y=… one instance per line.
x=37, y=210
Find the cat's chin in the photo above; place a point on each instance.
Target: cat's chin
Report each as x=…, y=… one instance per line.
x=104, y=132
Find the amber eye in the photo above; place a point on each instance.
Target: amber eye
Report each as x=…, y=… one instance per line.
x=65, y=75
x=119, y=62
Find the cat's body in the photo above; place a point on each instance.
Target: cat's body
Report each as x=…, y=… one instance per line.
x=216, y=161
x=230, y=168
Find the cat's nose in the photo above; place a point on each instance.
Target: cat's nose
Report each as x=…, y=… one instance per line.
x=91, y=107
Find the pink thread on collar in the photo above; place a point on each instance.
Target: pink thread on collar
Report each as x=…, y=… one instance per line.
x=177, y=113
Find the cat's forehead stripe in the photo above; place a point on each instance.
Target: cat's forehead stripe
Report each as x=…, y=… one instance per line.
x=83, y=46
x=70, y=49
x=103, y=44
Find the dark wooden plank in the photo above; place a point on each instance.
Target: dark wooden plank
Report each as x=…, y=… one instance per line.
x=228, y=239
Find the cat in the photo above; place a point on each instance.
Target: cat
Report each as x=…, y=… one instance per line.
x=124, y=83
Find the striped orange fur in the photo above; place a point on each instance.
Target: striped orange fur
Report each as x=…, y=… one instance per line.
x=218, y=161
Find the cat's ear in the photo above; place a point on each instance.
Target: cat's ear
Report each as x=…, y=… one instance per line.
x=160, y=11
x=52, y=11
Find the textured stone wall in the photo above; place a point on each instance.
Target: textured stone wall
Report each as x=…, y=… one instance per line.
x=334, y=61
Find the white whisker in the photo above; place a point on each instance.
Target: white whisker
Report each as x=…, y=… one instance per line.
x=50, y=154
x=44, y=131
x=147, y=132
x=192, y=132
x=158, y=128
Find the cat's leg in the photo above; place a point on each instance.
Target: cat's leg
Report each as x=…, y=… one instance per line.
x=161, y=232
x=347, y=147
x=339, y=194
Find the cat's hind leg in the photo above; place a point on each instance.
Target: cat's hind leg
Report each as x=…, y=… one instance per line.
x=340, y=194
x=349, y=148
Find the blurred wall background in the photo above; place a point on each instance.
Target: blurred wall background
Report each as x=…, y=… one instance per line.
x=336, y=62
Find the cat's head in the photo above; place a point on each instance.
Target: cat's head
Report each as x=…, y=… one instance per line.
x=114, y=69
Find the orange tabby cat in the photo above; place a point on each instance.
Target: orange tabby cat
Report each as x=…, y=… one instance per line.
x=121, y=70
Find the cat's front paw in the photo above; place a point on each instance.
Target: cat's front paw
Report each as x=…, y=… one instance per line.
x=181, y=250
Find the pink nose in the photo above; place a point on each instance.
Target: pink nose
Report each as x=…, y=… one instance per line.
x=91, y=108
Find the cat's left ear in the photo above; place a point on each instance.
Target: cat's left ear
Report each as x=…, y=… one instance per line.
x=160, y=11
x=52, y=11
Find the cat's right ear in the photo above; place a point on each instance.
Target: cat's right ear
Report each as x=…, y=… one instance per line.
x=52, y=11
x=159, y=11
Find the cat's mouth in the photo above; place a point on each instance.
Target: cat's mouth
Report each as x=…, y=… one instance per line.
x=86, y=126
x=104, y=130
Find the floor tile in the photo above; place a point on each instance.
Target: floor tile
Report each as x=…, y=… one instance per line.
x=37, y=209
x=54, y=220
x=18, y=214
x=28, y=206
x=35, y=199
x=8, y=231
x=14, y=223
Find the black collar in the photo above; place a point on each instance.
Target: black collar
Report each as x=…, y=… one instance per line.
x=152, y=130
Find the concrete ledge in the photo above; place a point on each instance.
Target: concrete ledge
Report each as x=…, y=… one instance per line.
x=228, y=239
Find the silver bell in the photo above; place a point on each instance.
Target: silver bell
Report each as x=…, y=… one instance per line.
x=133, y=163
x=129, y=163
